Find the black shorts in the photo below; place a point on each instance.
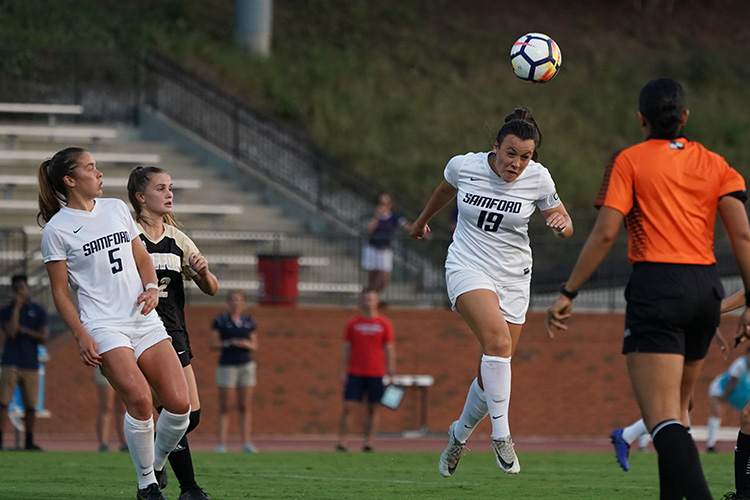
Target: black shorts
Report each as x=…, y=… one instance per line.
x=672, y=308
x=357, y=387
x=181, y=344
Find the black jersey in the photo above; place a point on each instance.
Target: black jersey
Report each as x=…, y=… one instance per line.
x=170, y=254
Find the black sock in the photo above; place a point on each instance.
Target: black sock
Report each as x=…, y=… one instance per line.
x=679, y=460
x=742, y=464
x=1, y=439
x=669, y=489
x=29, y=439
x=182, y=464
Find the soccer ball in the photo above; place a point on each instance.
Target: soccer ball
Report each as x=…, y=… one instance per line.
x=535, y=57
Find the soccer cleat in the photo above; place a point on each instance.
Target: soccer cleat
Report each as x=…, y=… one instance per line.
x=32, y=447
x=124, y=447
x=734, y=496
x=340, y=447
x=150, y=492
x=451, y=454
x=193, y=493
x=221, y=448
x=505, y=455
x=103, y=447
x=622, y=449
x=161, y=477
x=249, y=448
x=367, y=449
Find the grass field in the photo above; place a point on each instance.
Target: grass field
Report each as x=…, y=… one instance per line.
x=328, y=475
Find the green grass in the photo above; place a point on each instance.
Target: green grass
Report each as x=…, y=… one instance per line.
x=413, y=476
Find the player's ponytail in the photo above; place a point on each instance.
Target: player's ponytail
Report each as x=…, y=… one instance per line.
x=522, y=124
x=53, y=193
x=137, y=182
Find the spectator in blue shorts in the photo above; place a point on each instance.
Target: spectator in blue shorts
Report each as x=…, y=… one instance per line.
x=367, y=355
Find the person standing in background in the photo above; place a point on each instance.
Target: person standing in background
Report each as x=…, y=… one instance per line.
x=23, y=323
x=368, y=353
x=377, y=256
x=234, y=334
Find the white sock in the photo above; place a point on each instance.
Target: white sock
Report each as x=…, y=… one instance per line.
x=496, y=379
x=634, y=431
x=139, y=435
x=713, y=426
x=475, y=409
x=169, y=430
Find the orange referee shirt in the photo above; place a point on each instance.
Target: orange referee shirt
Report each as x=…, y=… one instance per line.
x=669, y=192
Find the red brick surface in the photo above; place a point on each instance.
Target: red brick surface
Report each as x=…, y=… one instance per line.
x=575, y=385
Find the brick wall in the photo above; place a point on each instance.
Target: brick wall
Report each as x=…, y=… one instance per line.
x=573, y=385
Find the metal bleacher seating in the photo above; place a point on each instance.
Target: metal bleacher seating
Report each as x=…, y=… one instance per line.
x=230, y=225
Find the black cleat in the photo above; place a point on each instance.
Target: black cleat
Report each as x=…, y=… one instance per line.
x=161, y=477
x=150, y=492
x=193, y=493
x=734, y=496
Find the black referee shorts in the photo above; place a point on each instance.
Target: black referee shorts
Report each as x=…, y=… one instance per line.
x=672, y=308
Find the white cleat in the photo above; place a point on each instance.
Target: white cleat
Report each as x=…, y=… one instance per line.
x=505, y=455
x=451, y=454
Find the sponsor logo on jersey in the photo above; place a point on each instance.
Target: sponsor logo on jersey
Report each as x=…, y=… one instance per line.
x=105, y=242
x=76, y=230
x=492, y=203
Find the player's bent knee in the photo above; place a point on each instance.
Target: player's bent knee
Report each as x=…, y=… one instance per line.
x=195, y=418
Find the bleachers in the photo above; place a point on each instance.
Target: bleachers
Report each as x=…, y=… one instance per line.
x=91, y=135
x=230, y=225
x=51, y=111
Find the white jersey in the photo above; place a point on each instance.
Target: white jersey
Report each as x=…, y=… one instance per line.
x=97, y=249
x=491, y=233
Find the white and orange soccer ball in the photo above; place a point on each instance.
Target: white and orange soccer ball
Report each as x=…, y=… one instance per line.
x=535, y=58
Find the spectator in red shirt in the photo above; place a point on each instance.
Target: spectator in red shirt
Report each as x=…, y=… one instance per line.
x=367, y=355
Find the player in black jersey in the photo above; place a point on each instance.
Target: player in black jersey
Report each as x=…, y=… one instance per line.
x=176, y=259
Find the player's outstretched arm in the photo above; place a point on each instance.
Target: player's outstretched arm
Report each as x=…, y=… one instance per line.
x=444, y=193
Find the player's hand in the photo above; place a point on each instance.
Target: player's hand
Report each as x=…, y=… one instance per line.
x=743, y=328
x=419, y=231
x=723, y=346
x=87, y=350
x=556, y=221
x=557, y=315
x=199, y=263
x=148, y=300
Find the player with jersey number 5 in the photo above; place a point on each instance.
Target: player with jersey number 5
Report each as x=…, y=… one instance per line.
x=488, y=268
x=668, y=190
x=93, y=244
x=176, y=259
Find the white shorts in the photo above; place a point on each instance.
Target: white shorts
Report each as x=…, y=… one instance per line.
x=513, y=299
x=136, y=338
x=377, y=259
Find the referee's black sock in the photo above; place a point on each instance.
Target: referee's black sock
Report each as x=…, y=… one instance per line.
x=679, y=460
x=669, y=489
x=742, y=464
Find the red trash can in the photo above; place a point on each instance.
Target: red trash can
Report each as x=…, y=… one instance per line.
x=277, y=279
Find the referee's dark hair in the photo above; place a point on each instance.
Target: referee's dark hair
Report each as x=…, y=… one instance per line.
x=662, y=102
